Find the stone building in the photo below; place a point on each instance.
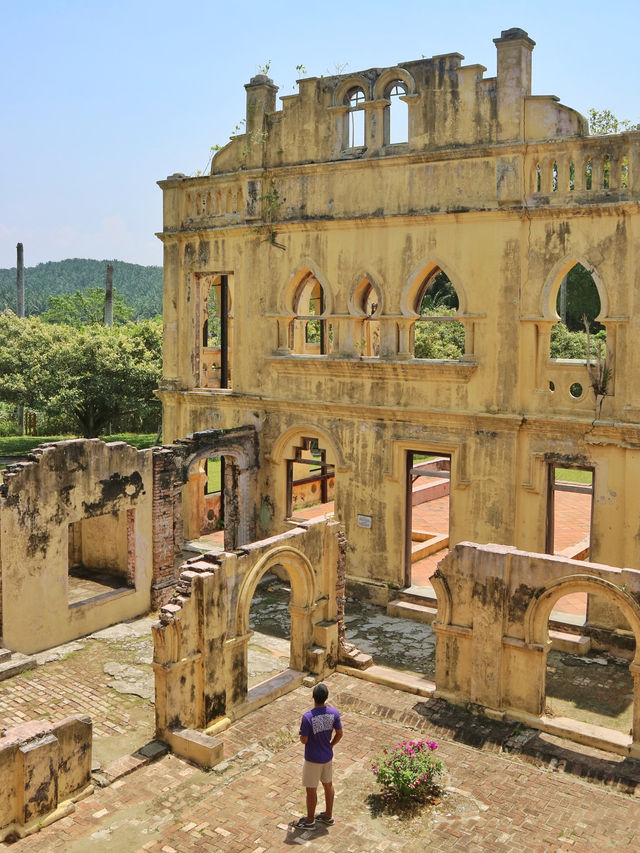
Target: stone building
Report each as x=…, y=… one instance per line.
x=295, y=277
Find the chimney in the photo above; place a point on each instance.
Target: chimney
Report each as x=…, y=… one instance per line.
x=514, y=81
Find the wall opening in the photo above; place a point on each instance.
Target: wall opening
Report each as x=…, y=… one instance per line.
x=354, y=120
x=437, y=334
x=577, y=299
x=396, y=115
x=368, y=301
x=428, y=481
x=269, y=649
x=310, y=481
x=312, y=332
x=101, y=556
x=216, y=324
x=594, y=686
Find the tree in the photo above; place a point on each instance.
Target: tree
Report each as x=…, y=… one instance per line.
x=95, y=375
x=604, y=122
x=85, y=308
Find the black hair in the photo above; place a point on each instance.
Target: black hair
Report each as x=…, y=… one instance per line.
x=320, y=693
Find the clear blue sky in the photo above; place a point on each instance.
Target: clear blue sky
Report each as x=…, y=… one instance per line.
x=99, y=100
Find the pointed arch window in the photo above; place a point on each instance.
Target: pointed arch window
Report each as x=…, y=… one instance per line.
x=311, y=331
x=437, y=334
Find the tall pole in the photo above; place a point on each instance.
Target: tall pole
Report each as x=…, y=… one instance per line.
x=108, y=297
x=20, y=287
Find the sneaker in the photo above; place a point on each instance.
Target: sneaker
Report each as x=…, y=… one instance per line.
x=328, y=821
x=303, y=823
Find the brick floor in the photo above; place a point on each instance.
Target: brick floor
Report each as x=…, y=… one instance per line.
x=173, y=806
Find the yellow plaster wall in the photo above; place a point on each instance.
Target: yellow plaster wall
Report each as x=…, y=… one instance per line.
x=461, y=195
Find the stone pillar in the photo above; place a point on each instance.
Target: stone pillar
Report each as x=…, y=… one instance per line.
x=514, y=49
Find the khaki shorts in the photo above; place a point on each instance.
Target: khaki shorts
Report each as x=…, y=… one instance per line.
x=313, y=774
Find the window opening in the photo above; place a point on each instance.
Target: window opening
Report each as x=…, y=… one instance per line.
x=572, y=176
x=312, y=332
x=538, y=178
x=436, y=333
x=369, y=343
x=554, y=177
x=606, y=172
x=428, y=479
x=396, y=115
x=101, y=556
x=577, y=298
x=215, y=360
x=588, y=171
x=355, y=118
x=310, y=481
x=624, y=173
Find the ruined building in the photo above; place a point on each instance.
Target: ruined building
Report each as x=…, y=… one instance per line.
x=296, y=279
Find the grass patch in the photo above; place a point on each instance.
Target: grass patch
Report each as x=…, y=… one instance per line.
x=572, y=475
x=20, y=445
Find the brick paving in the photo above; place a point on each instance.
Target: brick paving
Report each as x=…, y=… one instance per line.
x=512, y=805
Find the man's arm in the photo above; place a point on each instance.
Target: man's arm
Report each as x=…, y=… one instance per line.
x=304, y=738
x=337, y=735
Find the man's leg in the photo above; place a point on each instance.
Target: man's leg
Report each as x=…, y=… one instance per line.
x=329, y=793
x=312, y=800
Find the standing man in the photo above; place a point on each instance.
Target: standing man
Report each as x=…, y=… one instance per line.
x=320, y=731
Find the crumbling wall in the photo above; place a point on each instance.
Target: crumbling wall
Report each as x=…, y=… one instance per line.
x=43, y=768
x=42, y=499
x=201, y=640
x=494, y=604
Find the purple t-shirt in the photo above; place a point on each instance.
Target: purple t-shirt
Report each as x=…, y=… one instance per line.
x=318, y=725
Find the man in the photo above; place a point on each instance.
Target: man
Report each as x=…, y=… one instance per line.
x=320, y=731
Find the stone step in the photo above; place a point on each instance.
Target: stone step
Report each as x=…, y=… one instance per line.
x=5, y=654
x=424, y=595
x=573, y=644
x=16, y=663
x=412, y=610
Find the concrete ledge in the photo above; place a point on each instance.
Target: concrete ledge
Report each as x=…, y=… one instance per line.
x=405, y=681
x=196, y=746
x=412, y=610
x=573, y=644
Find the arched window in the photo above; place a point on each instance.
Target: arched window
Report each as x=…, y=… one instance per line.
x=577, y=301
x=312, y=334
x=436, y=333
x=354, y=130
x=368, y=301
x=396, y=115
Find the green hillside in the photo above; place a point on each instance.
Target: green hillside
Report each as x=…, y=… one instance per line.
x=141, y=286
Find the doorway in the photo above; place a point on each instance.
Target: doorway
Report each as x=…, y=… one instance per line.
x=428, y=482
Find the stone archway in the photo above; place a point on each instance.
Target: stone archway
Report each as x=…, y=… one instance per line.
x=301, y=576
x=536, y=626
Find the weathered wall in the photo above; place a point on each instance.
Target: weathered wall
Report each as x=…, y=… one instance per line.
x=42, y=765
x=201, y=641
x=451, y=198
x=62, y=484
x=492, y=632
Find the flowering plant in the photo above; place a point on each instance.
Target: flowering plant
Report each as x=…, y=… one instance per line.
x=409, y=769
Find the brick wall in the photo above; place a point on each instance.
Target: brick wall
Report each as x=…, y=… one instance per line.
x=167, y=526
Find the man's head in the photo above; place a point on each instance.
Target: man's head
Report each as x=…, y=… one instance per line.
x=320, y=693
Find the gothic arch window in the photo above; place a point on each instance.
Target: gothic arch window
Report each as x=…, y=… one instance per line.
x=312, y=333
x=577, y=301
x=437, y=334
x=355, y=118
x=367, y=302
x=396, y=114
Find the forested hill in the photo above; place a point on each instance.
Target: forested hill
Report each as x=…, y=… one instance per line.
x=140, y=286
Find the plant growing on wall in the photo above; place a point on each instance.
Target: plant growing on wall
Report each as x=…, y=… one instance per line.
x=599, y=371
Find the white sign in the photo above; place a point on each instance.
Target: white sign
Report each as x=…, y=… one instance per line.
x=364, y=521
